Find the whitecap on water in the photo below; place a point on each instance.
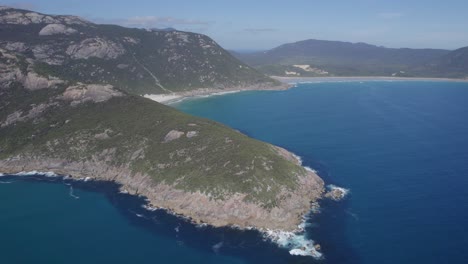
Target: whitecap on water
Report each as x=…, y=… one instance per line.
x=5, y=182
x=72, y=194
x=297, y=243
x=310, y=169
x=217, y=246
x=344, y=191
x=147, y=207
x=32, y=173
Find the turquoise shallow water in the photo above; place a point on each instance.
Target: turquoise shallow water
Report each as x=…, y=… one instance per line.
x=400, y=147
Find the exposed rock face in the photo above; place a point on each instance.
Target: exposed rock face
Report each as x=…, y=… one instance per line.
x=22, y=17
x=16, y=46
x=232, y=210
x=9, y=72
x=15, y=17
x=191, y=134
x=131, y=40
x=53, y=29
x=48, y=54
x=95, y=47
x=33, y=81
x=173, y=135
x=93, y=92
x=18, y=116
x=336, y=193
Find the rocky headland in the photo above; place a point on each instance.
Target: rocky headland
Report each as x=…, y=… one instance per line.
x=70, y=104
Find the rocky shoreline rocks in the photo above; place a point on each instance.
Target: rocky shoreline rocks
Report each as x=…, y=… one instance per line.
x=199, y=207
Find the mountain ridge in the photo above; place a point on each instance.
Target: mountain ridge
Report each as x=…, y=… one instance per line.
x=339, y=58
x=139, y=61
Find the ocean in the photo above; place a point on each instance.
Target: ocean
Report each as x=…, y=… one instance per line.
x=400, y=147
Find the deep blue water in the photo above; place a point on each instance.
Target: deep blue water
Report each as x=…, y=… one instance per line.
x=400, y=147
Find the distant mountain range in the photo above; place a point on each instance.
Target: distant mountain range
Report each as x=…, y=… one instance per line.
x=335, y=58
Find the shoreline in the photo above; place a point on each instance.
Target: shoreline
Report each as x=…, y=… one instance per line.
x=294, y=80
x=232, y=211
x=287, y=83
x=176, y=97
x=294, y=241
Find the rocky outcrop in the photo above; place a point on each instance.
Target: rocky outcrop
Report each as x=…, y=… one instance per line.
x=192, y=134
x=233, y=210
x=95, y=47
x=89, y=93
x=48, y=53
x=25, y=18
x=336, y=193
x=34, y=112
x=16, y=46
x=22, y=17
x=173, y=135
x=54, y=29
x=10, y=72
x=33, y=81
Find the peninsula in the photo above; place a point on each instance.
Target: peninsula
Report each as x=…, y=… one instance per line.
x=70, y=103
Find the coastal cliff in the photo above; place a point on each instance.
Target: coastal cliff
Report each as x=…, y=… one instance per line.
x=188, y=165
x=232, y=210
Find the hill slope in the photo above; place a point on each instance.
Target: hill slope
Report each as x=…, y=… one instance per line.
x=341, y=59
x=190, y=165
x=453, y=64
x=140, y=61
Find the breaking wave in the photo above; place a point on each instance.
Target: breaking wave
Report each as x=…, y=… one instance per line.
x=332, y=187
x=72, y=194
x=296, y=243
x=33, y=173
x=217, y=246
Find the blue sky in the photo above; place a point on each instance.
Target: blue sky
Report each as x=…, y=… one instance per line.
x=261, y=24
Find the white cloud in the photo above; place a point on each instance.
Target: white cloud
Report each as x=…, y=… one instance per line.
x=154, y=21
x=259, y=30
x=23, y=5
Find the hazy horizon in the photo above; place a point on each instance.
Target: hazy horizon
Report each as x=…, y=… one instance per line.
x=262, y=25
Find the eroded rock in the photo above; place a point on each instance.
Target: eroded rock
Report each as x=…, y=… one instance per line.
x=191, y=134
x=95, y=47
x=48, y=54
x=92, y=92
x=34, y=112
x=32, y=81
x=12, y=16
x=54, y=29
x=16, y=46
x=173, y=135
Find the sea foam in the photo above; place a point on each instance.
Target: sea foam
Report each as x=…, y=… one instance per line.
x=296, y=243
x=344, y=191
x=32, y=173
